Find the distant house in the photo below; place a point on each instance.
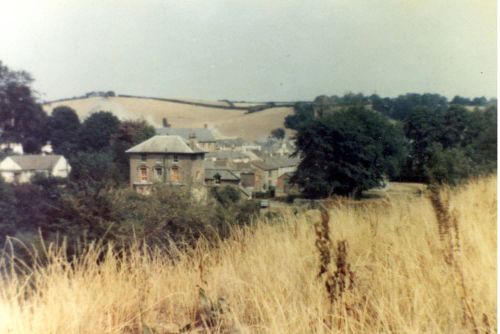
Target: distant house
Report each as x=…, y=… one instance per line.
x=250, y=177
x=274, y=147
x=283, y=185
x=205, y=137
x=274, y=167
x=231, y=144
x=232, y=156
x=214, y=177
x=224, y=177
x=21, y=168
x=166, y=159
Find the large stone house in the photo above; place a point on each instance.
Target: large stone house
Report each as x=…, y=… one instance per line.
x=21, y=168
x=166, y=159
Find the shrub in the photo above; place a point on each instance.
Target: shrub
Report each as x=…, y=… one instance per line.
x=168, y=214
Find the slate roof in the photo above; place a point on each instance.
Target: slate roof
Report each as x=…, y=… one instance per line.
x=165, y=144
x=225, y=174
x=226, y=155
x=276, y=162
x=230, y=142
x=209, y=164
x=243, y=166
x=201, y=134
x=36, y=161
x=263, y=165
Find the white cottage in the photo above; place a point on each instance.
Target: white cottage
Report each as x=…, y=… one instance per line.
x=20, y=168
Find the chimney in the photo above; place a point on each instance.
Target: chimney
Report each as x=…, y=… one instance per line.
x=192, y=142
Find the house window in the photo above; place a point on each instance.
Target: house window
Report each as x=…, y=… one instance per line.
x=158, y=173
x=175, y=174
x=143, y=157
x=143, y=174
x=176, y=158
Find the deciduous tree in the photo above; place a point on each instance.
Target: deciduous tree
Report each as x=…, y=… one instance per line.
x=347, y=152
x=22, y=119
x=97, y=130
x=63, y=127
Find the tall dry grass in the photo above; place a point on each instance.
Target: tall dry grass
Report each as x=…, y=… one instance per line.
x=389, y=268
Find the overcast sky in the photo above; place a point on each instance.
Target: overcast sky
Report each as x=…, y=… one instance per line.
x=252, y=50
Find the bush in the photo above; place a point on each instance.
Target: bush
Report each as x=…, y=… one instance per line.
x=168, y=214
x=226, y=195
x=8, y=211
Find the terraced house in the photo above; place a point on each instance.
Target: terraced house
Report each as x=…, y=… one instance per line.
x=166, y=159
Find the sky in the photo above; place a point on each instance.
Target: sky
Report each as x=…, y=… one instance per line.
x=260, y=50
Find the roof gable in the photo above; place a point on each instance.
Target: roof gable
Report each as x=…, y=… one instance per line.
x=9, y=164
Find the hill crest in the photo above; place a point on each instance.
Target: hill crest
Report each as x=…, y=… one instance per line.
x=247, y=120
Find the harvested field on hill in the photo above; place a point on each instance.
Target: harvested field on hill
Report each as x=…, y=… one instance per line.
x=230, y=123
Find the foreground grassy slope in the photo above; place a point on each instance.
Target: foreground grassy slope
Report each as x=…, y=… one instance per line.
x=265, y=278
x=230, y=122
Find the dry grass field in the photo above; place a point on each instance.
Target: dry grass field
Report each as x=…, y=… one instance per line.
x=426, y=265
x=229, y=122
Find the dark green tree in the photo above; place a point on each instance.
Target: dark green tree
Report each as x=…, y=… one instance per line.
x=97, y=130
x=403, y=105
x=449, y=165
x=8, y=211
x=63, y=129
x=485, y=139
x=129, y=133
x=460, y=100
x=22, y=119
x=347, y=152
x=448, y=145
x=94, y=168
x=382, y=105
x=303, y=113
x=479, y=101
x=278, y=133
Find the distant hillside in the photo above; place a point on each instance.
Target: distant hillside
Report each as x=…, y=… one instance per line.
x=231, y=119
